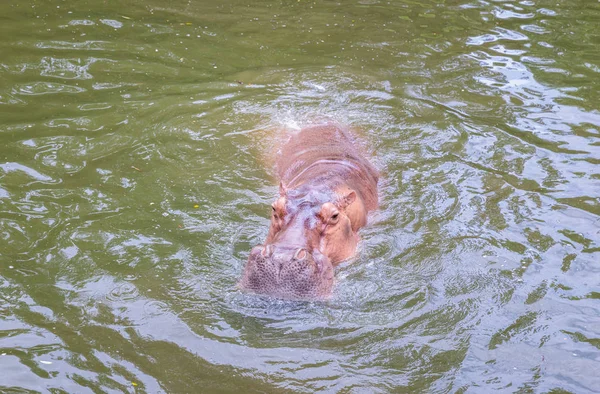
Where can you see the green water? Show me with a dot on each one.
(132, 188)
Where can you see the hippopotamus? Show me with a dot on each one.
(326, 189)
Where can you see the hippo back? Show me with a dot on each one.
(325, 154)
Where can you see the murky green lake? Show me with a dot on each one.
(133, 185)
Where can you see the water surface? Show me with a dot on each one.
(133, 185)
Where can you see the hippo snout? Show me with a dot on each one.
(287, 271)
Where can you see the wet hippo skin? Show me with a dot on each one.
(327, 187)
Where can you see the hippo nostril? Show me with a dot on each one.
(300, 254)
(267, 251)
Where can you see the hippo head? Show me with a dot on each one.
(310, 232)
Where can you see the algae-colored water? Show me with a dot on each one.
(132, 188)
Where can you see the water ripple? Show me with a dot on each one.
(129, 202)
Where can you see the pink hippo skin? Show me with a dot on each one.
(327, 188)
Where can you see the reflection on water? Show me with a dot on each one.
(133, 184)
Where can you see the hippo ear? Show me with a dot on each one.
(346, 200)
(282, 189)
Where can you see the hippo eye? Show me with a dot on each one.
(335, 216)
